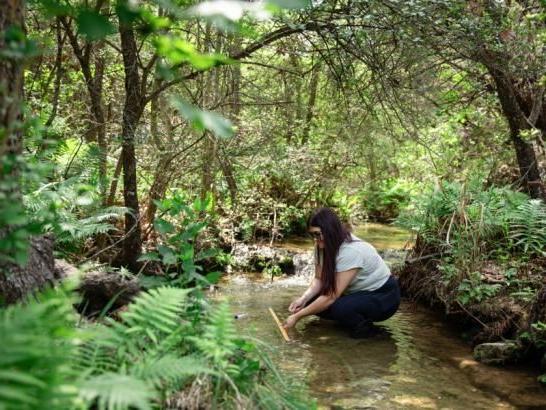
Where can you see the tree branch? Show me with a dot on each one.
(266, 40)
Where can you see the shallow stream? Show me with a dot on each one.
(419, 363)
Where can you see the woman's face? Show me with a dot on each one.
(316, 234)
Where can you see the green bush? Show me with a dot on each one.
(179, 226)
(385, 201)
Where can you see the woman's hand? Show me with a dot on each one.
(290, 322)
(297, 305)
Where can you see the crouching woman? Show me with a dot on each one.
(352, 285)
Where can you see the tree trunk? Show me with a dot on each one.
(209, 155)
(114, 182)
(227, 171)
(16, 282)
(94, 85)
(162, 176)
(98, 111)
(525, 154)
(235, 108)
(58, 67)
(210, 92)
(132, 111)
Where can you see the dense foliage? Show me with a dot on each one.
(168, 346)
(151, 136)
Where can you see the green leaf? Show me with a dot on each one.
(167, 255)
(149, 256)
(204, 120)
(126, 13)
(55, 8)
(163, 227)
(93, 25)
(178, 51)
(207, 253)
(213, 277)
(17, 46)
(291, 4)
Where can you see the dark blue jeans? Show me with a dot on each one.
(352, 311)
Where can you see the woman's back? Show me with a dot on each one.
(372, 272)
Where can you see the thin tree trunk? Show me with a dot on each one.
(17, 281)
(162, 176)
(235, 108)
(313, 86)
(114, 182)
(58, 67)
(94, 84)
(209, 98)
(163, 171)
(209, 155)
(98, 111)
(132, 111)
(227, 171)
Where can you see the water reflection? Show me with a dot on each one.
(405, 368)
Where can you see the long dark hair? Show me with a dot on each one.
(334, 233)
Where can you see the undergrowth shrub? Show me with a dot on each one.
(161, 343)
(71, 210)
(178, 226)
(472, 223)
(467, 225)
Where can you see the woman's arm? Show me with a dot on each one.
(310, 292)
(323, 302)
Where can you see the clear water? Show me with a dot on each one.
(416, 364)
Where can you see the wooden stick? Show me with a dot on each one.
(282, 329)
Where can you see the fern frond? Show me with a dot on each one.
(113, 391)
(156, 314)
(97, 354)
(528, 227)
(170, 369)
(218, 342)
(35, 351)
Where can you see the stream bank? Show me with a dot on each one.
(500, 310)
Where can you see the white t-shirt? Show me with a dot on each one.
(372, 272)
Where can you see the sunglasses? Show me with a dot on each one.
(315, 235)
